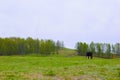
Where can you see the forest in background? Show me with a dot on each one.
(104, 50)
(21, 46)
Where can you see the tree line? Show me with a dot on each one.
(105, 50)
(20, 46)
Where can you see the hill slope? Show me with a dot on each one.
(67, 52)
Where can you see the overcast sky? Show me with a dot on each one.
(66, 20)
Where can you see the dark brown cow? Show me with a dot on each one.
(89, 55)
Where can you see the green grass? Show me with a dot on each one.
(58, 68)
(67, 52)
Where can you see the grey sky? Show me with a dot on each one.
(66, 20)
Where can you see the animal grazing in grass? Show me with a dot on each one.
(89, 55)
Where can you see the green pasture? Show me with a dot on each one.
(58, 68)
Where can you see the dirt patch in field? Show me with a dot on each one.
(39, 76)
(85, 77)
(32, 76)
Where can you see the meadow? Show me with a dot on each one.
(58, 68)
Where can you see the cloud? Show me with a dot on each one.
(68, 20)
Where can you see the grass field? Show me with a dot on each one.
(58, 68)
